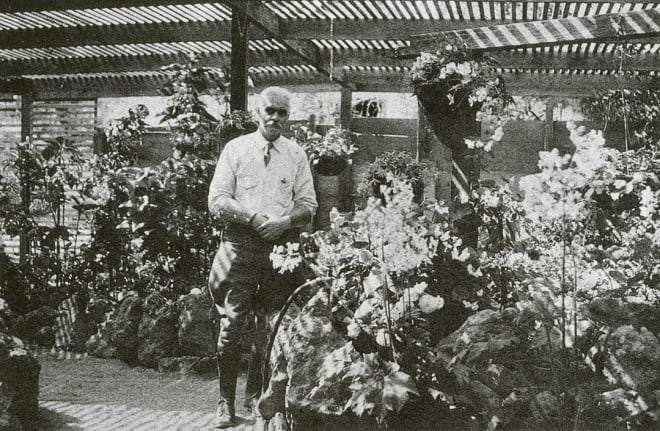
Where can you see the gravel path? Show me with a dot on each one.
(94, 394)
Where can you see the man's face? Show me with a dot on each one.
(273, 115)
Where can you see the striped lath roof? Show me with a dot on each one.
(93, 41)
(555, 31)
(320, 10)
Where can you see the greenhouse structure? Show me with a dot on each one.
(481, 248)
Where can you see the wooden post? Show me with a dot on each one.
(549, 135)
(239, 52)
(345, 107)
(26, 135)
(465, 171)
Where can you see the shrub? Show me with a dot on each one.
(397, 164)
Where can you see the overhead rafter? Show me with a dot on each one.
(268, 22)
(13, 6)
(523, 82)
(118, 33)
(301, 29)
(608, 27)
(577, 57)
(528, 82)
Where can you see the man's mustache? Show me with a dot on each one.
(273, 123)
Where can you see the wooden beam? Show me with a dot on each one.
(239, 56)
(549, 124)
(518, 83)
(532, 83)
(607, 27)
(507, 59)
(345, 109)
(13, 6)
(117, 34)
(26, 114)
(300, 29)
(384, 29)
(268, 22)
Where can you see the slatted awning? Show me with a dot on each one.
(89, 46)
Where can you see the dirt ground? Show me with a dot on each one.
(93, 381)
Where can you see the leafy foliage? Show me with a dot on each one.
(186, 115)
(41, 180)
(378, 261)
(398, 164)
(639, 110)
(557, 310)
(327, 153)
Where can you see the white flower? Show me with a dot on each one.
(429, 303)
(648, 203)
(464, 68)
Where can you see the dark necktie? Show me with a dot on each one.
(267, 153)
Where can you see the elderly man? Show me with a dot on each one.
(263, 189)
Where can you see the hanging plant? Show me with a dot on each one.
(457, 87)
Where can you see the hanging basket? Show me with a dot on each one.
(450, 122)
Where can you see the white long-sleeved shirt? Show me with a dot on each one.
(243, 185)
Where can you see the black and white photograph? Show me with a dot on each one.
(329, 215)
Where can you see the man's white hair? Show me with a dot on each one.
(275, 94)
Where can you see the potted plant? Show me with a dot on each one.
(329, 154)
(395, 164)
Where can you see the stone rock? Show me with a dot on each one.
(45, 336)
(122, 334)
(188, 364)
(98, 346)
(157, 333)
(635, 358)
(302, 344)
(19, 383)
(27, 326)
(5, 317)
(196, 326)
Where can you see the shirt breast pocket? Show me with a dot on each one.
(246, 185)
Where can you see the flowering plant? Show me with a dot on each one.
(379, 265)
(330, 153)
(397, 164)
(457, 83)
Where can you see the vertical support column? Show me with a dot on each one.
(423, 141)
(549, 135)
(26, 114)
(345, 106)
(26, 135)
(465, 171)
(239, 51)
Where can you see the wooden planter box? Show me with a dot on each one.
(332, 191)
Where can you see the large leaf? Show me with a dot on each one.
(397, 386)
